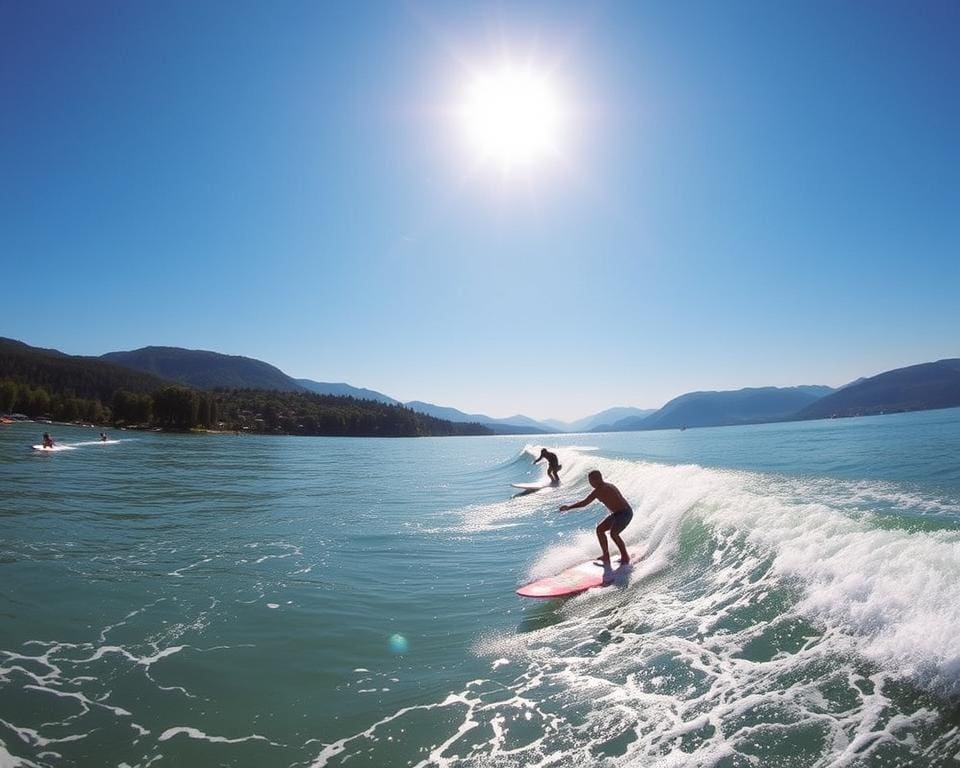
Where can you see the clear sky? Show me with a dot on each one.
(742, 193)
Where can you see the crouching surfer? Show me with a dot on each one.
(619, 518)
(554, 467)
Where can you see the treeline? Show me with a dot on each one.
(37, 402)
(169, 407)
(84, 378)
(306, 413)
(248, 410)
(45, 383)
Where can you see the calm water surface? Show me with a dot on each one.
(251, 601)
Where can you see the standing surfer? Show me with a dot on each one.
(554, 464)
(619, 518)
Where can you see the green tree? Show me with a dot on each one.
(8, 395)
(66, 408)
(175, 407)
(37, 402)
(122, 406)
(203, 410)
(93, 412)
(142, 409)
(130, 408)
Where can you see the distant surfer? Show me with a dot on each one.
(47, 440)
(554, 467)
(619, 518)
(103, 437)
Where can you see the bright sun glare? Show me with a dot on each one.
(513, 117)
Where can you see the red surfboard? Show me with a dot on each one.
(577, 579)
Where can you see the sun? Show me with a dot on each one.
(513, 116)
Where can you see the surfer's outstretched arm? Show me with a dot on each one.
(582, 503)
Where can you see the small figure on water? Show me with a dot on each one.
(554, 465)
(103, 437)
(619, 518)
(47, 440)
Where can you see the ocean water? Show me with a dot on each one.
(200, 600)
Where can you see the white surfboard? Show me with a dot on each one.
(54, 449)
(534, 486)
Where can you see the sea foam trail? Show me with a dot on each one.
(889, 588)
(761, 610)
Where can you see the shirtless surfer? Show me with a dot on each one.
(619, 518)
(47, 440)
(554, 468)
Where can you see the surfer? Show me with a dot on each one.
(103, 437)
(47, 440)
(619, 518)
(554, 468)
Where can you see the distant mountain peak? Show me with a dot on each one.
(205, 369)
(912, 388)
(514, 425)
(342, 389)
(749, 405)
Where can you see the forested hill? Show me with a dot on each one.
(344, 390)
(85, 377)
(47, 384)
(307, 413)
(914, 388)
(742, 406)
(205, 370)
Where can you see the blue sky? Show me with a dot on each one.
(750, 193)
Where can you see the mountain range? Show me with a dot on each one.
(210, 370)
(916, 387)
(205, 370)
(601, 422)
(53, 369)
(344, 390)
(715, 409)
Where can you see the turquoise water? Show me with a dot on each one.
(262, 601)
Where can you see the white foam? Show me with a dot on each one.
(679, 655)
(179, 571)
(890, 589)
(8, 760)
(85, 702)
(196, 733)
(335, 748)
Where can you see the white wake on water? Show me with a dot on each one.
(889, 589)
(767, 621)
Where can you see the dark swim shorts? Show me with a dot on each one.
(620, 520)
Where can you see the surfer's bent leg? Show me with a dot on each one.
(602, 535)
(619, 521)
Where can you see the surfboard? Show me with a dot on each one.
(55, 449)
(577, 579)
(534, 486)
